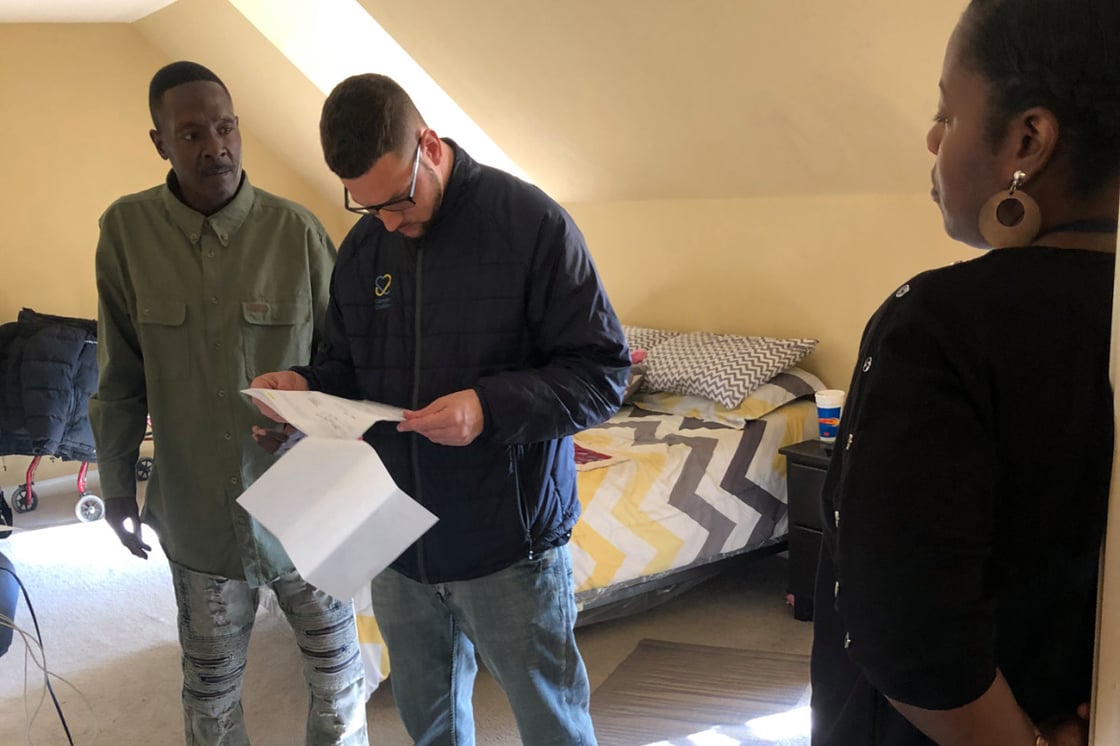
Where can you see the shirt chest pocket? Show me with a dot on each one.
(163, 339)
(276, 335)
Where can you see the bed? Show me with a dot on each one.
(673, 486)
(677, 496)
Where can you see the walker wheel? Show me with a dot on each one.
(21, 502)
(144, 469)
(89, 508)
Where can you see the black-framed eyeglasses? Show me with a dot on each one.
(399, 204)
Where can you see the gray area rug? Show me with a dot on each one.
(676, 693)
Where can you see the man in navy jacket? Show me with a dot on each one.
(468, 297)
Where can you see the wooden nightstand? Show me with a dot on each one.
(806, 465)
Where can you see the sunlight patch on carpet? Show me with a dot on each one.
(676, 694)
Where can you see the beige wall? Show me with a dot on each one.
(793, 267)
(74, 137)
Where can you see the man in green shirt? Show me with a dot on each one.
(205, 282)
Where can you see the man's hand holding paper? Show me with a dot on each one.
(359, 520)
(452, 420)
(280, 380)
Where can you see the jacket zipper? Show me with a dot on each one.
(414, 443)
(522, 509)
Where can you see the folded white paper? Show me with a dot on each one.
(330, 500)
(323, 415)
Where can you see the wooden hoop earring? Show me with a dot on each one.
(1010, 218)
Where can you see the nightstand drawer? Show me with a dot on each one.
(806, 466)
(804, 554)
(805, 485)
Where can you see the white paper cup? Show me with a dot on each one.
(830, 403)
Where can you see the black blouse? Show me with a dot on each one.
(966, 498)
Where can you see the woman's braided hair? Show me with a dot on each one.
(1063, 55)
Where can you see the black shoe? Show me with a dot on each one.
(5, 517)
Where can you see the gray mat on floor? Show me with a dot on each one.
(666, 692)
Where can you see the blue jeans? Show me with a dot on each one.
(215, 618)
(520, 620)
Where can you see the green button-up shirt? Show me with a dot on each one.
(190, 309)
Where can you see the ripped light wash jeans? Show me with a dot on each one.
(215, 618)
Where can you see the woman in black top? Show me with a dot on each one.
(965, 501)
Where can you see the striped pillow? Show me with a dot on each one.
(787, 386)
(722, 367)
(644, 338)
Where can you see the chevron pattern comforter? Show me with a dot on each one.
(679, 492)
(672, 492)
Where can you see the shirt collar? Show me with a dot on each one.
(225, 221)
(464, 172)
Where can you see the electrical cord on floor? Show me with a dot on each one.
(31, 645)
(42, 661)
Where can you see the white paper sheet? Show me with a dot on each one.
(325, 416)
(329, 499)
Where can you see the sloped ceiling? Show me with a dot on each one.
(602, 100)
(662, 99)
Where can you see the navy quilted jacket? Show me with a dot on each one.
(48, 369)
(500, 296)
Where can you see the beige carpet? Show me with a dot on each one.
(670, 693)
(108, 623)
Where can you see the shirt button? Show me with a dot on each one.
(221, 394)
(210, 254)
(214, 301)
(902, 291)
(194, 238)
(147, 312)
(867, 365)
(848, 446)
(217, 345)
(847, 640)
(233, 480)
(228, 436)
(836, 589)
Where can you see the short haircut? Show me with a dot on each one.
(1062, 55)
(365, 117)
(176, 74)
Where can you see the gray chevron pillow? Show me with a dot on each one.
(722, 367)
(645, 338)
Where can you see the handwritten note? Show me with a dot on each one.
(322, 415)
